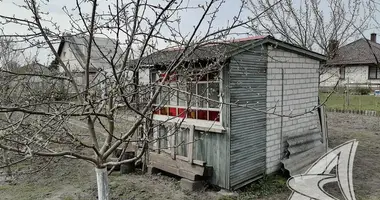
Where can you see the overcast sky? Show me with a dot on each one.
(188, 18)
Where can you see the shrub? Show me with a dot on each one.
(361, 91)
(60, 95)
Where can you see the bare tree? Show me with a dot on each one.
(39, 112)
(313, 24)
(316, 25)
(9, 56)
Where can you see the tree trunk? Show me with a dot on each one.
(102, 183)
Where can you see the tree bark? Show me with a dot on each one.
(102, 183)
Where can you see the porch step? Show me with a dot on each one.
(178, 167)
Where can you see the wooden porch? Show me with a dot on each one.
(173, 152)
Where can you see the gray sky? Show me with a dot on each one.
(188, 18)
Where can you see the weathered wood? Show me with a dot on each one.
(207, 146)
(176, 171)
(195, 162)
(178, 164)
(190, 145)
(173, 139)
(182, 158)
(179, 142)
(102, 183)
(158, 140)
(199, 162)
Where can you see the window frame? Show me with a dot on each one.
(194, 108)
(377, 70)
(342, 69)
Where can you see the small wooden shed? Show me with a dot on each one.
(259, 81)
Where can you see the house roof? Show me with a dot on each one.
(361, 51)
(220, 50)
(78, 44)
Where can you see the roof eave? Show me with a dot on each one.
(294, 48)
(349, 63)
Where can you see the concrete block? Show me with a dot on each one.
(270, 154)
(273, 168)
(275, 158)
(189, 185)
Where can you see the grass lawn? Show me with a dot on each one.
(356, 102)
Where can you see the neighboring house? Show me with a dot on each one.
(229, 145)
(355, 64)
(32, 78)
(73, 52)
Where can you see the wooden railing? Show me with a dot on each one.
(176, 142)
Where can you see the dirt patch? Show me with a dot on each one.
(62, 178)
(152, 187)
(366, 129)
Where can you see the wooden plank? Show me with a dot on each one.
(166, 160)
(159, 139)
(180, 143)
(173, 139)
(152, 145)
(182, 158)
(199, 162)
(190, 145)
(195, 162)
(176, 171)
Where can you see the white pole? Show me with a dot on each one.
(102, 183)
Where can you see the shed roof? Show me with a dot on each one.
(221, 50)
(361, 51)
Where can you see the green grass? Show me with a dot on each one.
(356, 102)
(269, 187)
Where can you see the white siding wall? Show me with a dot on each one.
(301, 78)
(69, 59)
(354, 74)
(144, 76)
(329, 77)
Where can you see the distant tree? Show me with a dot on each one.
(312, 24)
(54, 65)
(9, 55)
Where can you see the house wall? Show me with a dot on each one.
(353, 75)
(247, 76)
(69, 59)
(300, 88)
(329, 77)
